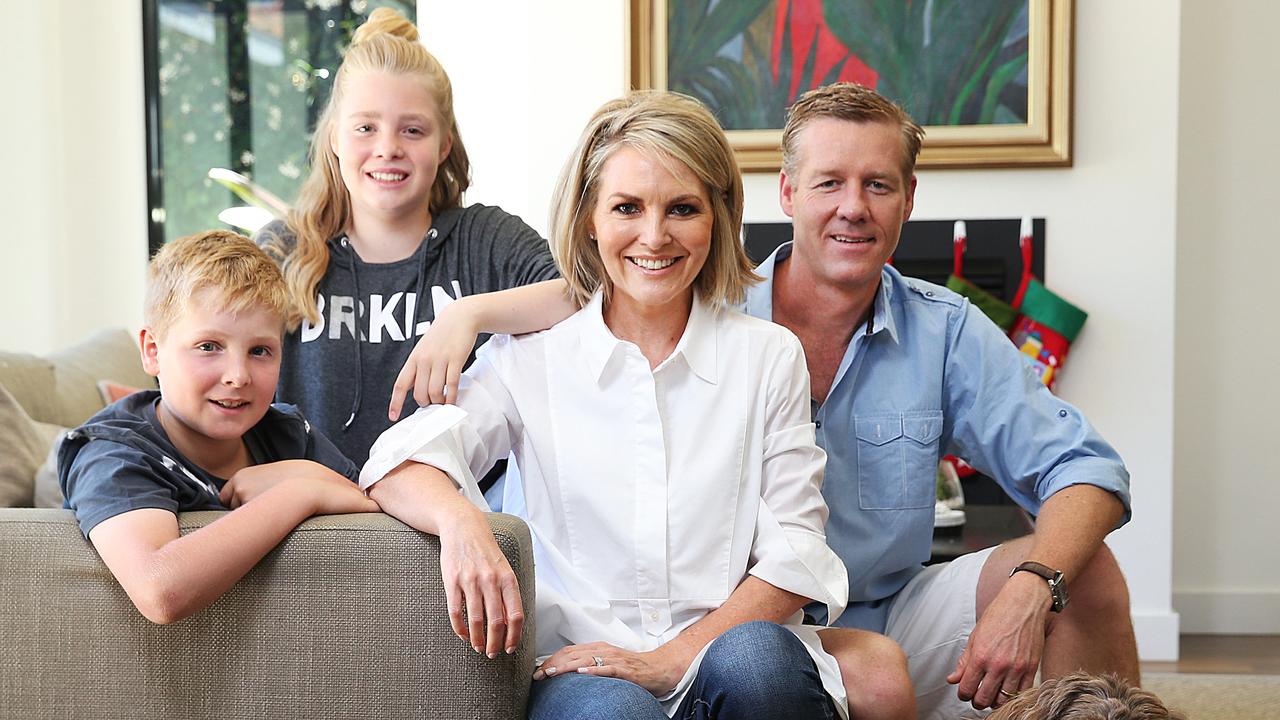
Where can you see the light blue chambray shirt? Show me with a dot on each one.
(930, 375)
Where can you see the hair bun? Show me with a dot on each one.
(385, 21)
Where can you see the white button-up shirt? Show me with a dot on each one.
(651, 494)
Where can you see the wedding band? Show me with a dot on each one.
(599, 661)
(1006, 693)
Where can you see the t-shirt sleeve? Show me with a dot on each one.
(322, 450)
(512, 251)
(107, 478)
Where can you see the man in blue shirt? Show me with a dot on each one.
(902, 372)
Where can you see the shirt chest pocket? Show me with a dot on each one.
(897, 459)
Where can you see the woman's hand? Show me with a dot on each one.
(656, 671)
(434, 366)
(479, 580)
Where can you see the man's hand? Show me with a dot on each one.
(655, 671)
(1006, 643)
(479, 580)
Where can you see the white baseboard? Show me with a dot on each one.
(1157, 635)
(1229, 612)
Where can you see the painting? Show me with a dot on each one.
(990, 80)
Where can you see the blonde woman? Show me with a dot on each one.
(379, 241)
(668, 466)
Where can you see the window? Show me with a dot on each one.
(236, 85)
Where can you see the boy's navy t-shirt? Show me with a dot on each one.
(121, 460)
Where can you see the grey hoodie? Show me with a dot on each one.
(344, 386)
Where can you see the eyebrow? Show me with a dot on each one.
(680, 198)
(418, 117)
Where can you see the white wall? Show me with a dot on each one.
(1111, 218)
(73, 193)
(1226, 573)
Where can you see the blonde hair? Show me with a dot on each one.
(856, 103)
(1081, 696)
(386, 42)
(661, 125)
(219, 260)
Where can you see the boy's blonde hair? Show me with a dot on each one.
(228, 263)
(664, 126)
(386, 42)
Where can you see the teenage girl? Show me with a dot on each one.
(379, 242)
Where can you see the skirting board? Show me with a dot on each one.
(1157, 635)
(1229, 612)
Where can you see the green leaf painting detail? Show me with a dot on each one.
(947, 62)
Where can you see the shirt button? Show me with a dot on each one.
(653, 616)
(1062, 413)
(928, 293)
(818, 423)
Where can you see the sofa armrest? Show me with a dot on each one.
(345, 619)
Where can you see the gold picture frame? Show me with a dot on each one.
(1043, 140)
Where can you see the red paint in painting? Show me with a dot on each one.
(806, 19)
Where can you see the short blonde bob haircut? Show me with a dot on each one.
(386, 42)
(856, 103)
(664, 126)
(241, 273)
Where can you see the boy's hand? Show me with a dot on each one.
(434, 366)
(330, 492)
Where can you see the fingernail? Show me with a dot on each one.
(478, 649)
(551, 671)
(511, 650)
(493, 655)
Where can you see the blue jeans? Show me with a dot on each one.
(756, 670)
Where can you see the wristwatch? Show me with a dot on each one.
(1057, 584)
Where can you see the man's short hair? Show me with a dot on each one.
(1081, 696)
(856, 103)
(226, 262)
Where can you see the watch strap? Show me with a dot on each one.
(1057, 584)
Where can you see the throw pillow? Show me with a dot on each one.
(23, 447)
(111, 391)
(48, 493)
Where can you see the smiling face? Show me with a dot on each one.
(652, 223)
(847, 199)
(217, 371)
(389, 141)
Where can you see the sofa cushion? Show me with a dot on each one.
(24, 447)
(47, 491)
(106, 355)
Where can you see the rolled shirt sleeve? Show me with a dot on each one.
(790, 549)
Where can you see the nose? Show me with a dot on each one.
(388, 145)
(235, 373)
(654, 235)
(853, 205)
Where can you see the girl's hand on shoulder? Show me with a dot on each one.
(655, 671)
(434, 366)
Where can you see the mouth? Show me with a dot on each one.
(653, 263)
(387, 176)
(230, 404)
(852, 240)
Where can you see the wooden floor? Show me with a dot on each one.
(1226, 654)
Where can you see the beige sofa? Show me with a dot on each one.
(345, 619)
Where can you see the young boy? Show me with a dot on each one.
(216, 311)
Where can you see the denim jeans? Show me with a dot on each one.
(757, 670)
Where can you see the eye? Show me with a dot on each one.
(207, 347)
(684, 209)
(363, 129)
(878, 186)
(415, 131)
(261, 351)
(827, 184)
(626, 208)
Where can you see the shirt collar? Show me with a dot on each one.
(760, 296)
(698, 345)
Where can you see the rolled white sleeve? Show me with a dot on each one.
(461, 440)
(790, 549)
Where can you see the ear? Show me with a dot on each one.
(149, 349)
(446, 147)
(911, 199)
(786, 194)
